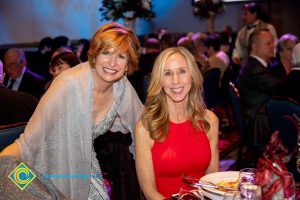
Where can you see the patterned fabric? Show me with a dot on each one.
(40, 188)
(97, 186)
(269, 168)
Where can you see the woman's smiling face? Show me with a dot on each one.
(177, 79)
(111, 65)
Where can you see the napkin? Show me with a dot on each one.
(270, 168)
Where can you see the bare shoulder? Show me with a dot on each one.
(211, 117)
(213, 121)
(141, 134)
(139, 127)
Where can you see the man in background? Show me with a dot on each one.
(19, 77)
(14, 106)
(254, 19)
(255, 84)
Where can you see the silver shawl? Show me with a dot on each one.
(58, 138)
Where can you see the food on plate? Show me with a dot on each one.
(228, 184)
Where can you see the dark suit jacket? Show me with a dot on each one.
(277, 68)
(289, 87)
(15, 106)
(255, 84)
(38, 63)
(31, 83)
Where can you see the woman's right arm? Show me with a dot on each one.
(39, 124)
(144, 164)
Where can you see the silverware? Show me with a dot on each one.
(208, 184)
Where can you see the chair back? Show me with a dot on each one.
(279, 107)
(235, 101)
(9, 133)
(283, 116)
(211, 87)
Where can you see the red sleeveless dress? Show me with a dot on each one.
(184, 152)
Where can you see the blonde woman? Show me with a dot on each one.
(176, 134)
(82, 103)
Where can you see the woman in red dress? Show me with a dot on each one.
(176, 134)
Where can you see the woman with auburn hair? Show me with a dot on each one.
(176, 134)
(82, 103)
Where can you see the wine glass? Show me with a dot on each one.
(246, 175)
(188, 191)
(288, 185)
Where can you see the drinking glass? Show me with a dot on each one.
(298, 158)
(246, 175)
(288, 185)
(232, 195)
(188, 191)
(250, 191)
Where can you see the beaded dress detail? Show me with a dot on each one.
(97, 185)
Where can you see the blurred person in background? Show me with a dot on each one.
(216, 57)
(289, 86)
(61, 62)
(14, 106)
(61, 41)
(79, 46)
(255, 84)
(281, 65)
(19, 77)
(254, 19)
(38, 61)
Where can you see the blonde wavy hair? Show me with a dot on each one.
(114, 35)
(155, 117)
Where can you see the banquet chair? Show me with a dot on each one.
(281, 106)
(235, 101)
(211, 88)
(284, 116)
(280, 109)
(9, 133)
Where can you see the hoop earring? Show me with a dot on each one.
(125, 74)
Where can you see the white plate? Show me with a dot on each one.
(219, 176)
